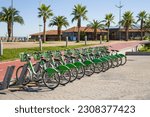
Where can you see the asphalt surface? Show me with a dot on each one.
(130, 81)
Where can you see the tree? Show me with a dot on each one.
(95, 24)
(6, 16)
(108, 20)
(45, 12)
(142, 16)
(127, 22)
(59, 21)
(147, 24)
(79, 12)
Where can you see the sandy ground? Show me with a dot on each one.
(130, 81)
(52, 43)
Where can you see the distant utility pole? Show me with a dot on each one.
(40, 22)
(12, 2)
(39, 36)
(120, 8)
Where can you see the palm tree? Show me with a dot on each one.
(6, 16)
(95, 24)
(127, 22)
(79, 12)
(147, 24)
(108, 20)
(142, 16)
(59, 21)
(45, 12)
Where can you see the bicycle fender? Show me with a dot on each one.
(97, 60)
(88, 62)
(79, 64)
(70, 65)
(63, 68)
(51, 71)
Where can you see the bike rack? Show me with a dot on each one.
(6, 81)
(21, 77)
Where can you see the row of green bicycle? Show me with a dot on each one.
(54, 68)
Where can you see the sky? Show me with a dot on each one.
(97, 9)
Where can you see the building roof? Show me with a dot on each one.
(84, 29)
(131, 30)
(49, 32)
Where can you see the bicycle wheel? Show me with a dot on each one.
(114, 62)
(123, 60)
(119, 61)
(27, 76)
(81, 72)
(51, 81)
(65, 77)
(89, 69)
(105, 66)
(38, 76)
(98, 67)
(74, 74)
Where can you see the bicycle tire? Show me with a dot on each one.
(52, 81)
(89, 69)
(114, 62)
(74, 74)
(123, 60)
(98, 67)
(65, 77)
(105, 66)
(27, 78)
(81, 72)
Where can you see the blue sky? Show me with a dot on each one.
(97, 9)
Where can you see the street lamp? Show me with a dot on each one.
(12, 19)
(120, 8)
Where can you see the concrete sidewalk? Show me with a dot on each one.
(130, 81)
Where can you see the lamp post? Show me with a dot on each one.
(120, 8)
(12, 18)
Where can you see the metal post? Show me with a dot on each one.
(100, 39)
(1, 48)
(66, 41)
(12, 20)
(40, 43)
(85, 40)
(119, 7)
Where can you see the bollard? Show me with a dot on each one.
(100, 39)
(66, 41)
(40, 44)
(85, 40)
(1, 48)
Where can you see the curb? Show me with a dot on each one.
(137, 53)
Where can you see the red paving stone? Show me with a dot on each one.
(17, 63)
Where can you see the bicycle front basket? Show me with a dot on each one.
(23, 57)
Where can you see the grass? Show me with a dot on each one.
(145, 48)
(12, 54)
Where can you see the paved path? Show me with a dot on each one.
(116, 45)
(130, 81)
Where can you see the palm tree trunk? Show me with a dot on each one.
(95, 34)
(127, 34)
(44, 32)
(108, 35)
(9, 27)
(142, 30)
(79, 25)
(59, 33)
